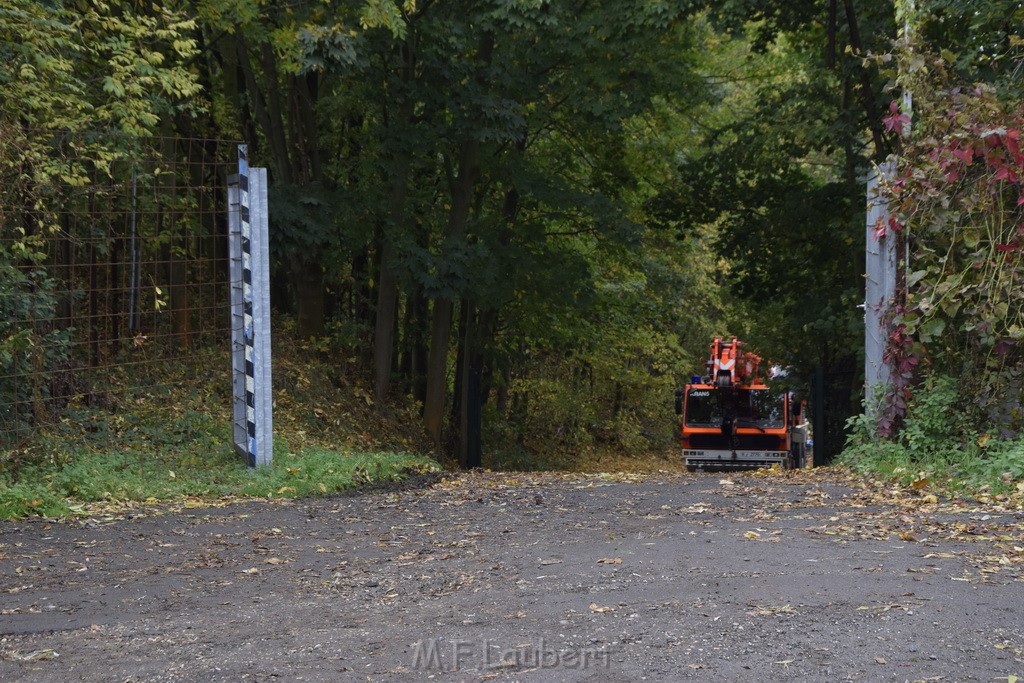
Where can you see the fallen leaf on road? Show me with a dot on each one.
(594, 607)
(251, 570)
(768, 610)
(752, 534)
(610, 560)
(34, 656)
(880, 660)
(547, 562)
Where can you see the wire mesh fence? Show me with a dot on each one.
(114, 274)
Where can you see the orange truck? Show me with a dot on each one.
(730, 418)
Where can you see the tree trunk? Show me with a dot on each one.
(457, 415)
(440, 328)
(468, 390)
(462, 186)
(416, 344)
(359, 292)
(384, 331)
(462, 392)
(874, 116)
(309, 290)
(94, 293)
(437, 366)
(501, 396)
(387, 293)
(830, 48)
(115, 310)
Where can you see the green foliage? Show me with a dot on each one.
(67, 71)
(29, 343)
(93, 64)
(939, 442)
(982, 41)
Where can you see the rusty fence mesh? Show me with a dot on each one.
(114, 276)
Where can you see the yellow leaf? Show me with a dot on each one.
(930, 498)
(752, 534)
(171, 474)
(610, 560)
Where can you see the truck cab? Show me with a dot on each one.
(732, 418)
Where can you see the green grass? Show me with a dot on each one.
(185, 455)
(996, 468)
(175, 443)
(139, 476)
(938, 444)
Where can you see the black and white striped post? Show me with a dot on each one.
(252, 414)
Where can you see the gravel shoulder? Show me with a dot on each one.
(526, 577)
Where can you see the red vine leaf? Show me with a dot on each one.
(895, 120)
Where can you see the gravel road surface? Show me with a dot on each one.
(526, 577)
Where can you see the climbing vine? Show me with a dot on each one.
(958, 202)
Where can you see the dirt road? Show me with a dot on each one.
(510, 577)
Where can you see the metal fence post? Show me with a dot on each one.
(248, 251)
(880, 282)
(260, 228)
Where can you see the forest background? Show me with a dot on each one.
(569, 200)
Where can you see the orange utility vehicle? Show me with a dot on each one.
(731, 418)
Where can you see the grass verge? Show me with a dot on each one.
(60, 491)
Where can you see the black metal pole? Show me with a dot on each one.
(473, 426)
(818, 399)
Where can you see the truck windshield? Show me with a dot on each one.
(764, 410)
(703, 408)
(757, 408)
